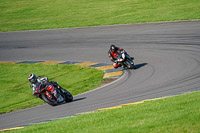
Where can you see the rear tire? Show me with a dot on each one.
(45, 98)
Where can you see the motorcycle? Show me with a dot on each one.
(126, 63)
(53, 95)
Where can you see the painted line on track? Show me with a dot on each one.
(86, 64)
(120, 106)
(51, 62)
(113, 74)
(105, 67)
(9, 129)
(8, 62)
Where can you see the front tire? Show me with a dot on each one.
(130, 64)
(68, 97)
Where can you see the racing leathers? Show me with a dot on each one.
(114, 56)
(118, 56)
(42, 82)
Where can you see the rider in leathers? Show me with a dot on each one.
(42, 82)
(113, 54)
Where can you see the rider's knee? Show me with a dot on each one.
(115, 65)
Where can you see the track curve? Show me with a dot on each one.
(167, 57)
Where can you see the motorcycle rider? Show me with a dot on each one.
(42, 82)
(113, 54)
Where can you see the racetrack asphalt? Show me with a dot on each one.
(167, 58)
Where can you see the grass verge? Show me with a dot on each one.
(15, 91)
(178, 114)
(46, 14)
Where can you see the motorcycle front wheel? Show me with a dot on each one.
(129, 65)
(68, 96)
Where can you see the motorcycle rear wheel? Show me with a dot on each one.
(52, 101)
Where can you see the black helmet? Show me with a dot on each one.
(32, 78)
(113, 48)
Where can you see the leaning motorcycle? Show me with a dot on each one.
(126, 63)
(53, 95)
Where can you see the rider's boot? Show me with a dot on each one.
(116, 65)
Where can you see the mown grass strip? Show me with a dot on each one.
(173, 114)
(46, 14)
(15, 92)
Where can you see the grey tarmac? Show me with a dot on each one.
(167, 58)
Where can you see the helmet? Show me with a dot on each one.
(32, 78)
(113, 48)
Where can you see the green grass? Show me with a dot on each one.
(44, 14)
(179, 114)
(15, 91)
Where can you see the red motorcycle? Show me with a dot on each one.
(53, 95)
(127, 62)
